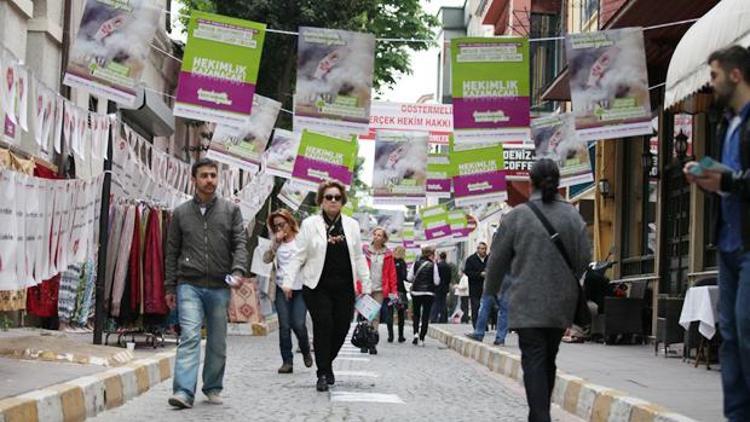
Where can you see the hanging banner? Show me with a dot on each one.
(555, 137)
(111, 48)
(293, 194)
(491, 89)
(435, 222)
(478, 175)
(334, 81)
(322, 157)
(518, 160)
(408, 235)
(436, 119)
(459, 224)
(220, 69)
(243, 147)
(438, 176)
(609, 83)
(482, 212)
(22, 96)
(399, 171)
(281, 153)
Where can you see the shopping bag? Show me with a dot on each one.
(244, 304)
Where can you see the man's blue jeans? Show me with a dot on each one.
(734, 325)
(484, 314)
(292, 315)
(194, 304)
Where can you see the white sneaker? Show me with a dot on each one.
(214, 398)
(421, 343)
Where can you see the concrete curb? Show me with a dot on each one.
(575, 395)
(88, 396)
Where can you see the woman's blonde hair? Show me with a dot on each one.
(385, 233)
(287, 216)
(428, 251)
(399, 252)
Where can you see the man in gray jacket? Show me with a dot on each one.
(205, 255)
(542, 293)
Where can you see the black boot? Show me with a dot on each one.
(390, 333)
(373, 350)
(330, 379)
(322, 384)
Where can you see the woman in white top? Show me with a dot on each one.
(329, 260)
(283, 230)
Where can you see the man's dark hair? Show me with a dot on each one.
(545, 176)
(443, 256)
(734, 57)
(482, 243)
(203, 162)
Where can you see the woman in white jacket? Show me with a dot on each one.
(329, 260)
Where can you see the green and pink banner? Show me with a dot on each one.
(435, 222)
(438, 175)
(219, 69)
(323, 157)
(491, 89)
(478, 175)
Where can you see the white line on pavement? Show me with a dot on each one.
(352, 396)
(363, 374)
(354, 359)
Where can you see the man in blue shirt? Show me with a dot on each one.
(730, 80)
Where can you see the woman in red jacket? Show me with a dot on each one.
(382, 272)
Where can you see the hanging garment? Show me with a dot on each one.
(153, 267)
(86, 298)
(66, 302)
(42, 299)
(117, 217)
(121, 267)
(134, 269)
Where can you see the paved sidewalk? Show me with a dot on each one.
(669, 382)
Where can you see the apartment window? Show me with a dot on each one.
(588, 9)
(546, 56)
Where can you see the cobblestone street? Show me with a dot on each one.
(403, 382)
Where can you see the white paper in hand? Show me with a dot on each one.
(367, 307)
(259, 267)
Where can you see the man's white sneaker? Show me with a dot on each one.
(214, 398)
(421, 343)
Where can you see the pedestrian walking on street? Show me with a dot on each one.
(401, 302)
(439, 313)
(490, 302)
(730, 191)
(474, 269)
(382, 275)
(542, 287)
(205, 254)
(291, 312)
(330, 260)
(462, 298)
(426, 281)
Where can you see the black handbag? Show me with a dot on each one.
(582, 317)
(364, 335)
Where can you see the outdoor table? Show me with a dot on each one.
(701, 305)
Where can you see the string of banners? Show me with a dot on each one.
(334, 109)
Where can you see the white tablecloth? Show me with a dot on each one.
(702, 305)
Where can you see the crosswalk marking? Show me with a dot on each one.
(363, 374)
(355, 396)
(354, 359)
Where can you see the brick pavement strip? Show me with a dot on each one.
(586, 400)
(432, 382)
(90, 395)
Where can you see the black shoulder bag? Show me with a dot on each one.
(582, 317)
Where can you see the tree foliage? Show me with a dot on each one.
(384, 18)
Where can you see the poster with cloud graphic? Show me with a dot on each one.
(293, 194)
(555, 137)
(334, 81)
(393, 223)
(111, 48)
(323, 157)
(491, 89)
(244, 146)
(478, 175)
(282, 152)
(399, 170)
(220, 69)
(609, 83)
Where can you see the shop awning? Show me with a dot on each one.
(728, 23)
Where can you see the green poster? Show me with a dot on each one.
(435, 222)
(323, 157)
(219, 69)
(478, 175)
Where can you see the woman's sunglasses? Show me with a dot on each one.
(333, 198)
